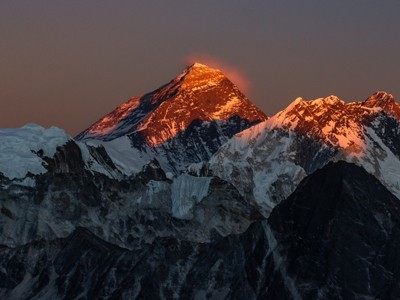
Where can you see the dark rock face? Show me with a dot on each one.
(82, 265)
(309, 152)
(101, 156)
(388, 129)
(339, 235)
(200, 141)
(67, 159)
(336, 237)
(152, 171)
(80, 235)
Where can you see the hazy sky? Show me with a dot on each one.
(67, 63)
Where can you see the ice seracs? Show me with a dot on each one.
(186, 192)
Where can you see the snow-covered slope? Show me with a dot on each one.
(267, 161)
(182, 122)
(31, 149)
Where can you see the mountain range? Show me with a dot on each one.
(192, 192)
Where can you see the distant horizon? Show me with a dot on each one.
(269, 115)
(220, 67)
(68, 64)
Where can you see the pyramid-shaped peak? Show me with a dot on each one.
(197, 65)
(198, 75)
(197, 69)
(198, 93)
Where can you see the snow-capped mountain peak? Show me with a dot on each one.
(271, 157)
(196, 113)
(198, 72)
(380, 98)
(33, 150)
(198, 93)
(385, 101)
(331, 119)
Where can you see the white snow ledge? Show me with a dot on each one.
(17, 144)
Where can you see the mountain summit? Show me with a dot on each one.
(271, 158)
(385, 101)
(196, 112)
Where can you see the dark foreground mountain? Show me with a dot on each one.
(336, 237)
(82, 235)
(82, 266)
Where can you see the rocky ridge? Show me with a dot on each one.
(268, 160)
(182, 122)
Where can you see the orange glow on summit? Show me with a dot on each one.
(233, 73)
(200, 93)
(339, 124)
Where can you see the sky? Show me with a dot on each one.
(67, 63)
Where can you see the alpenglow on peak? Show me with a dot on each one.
(201, 108)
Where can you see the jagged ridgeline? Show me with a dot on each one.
(183, 122)
(191, 192)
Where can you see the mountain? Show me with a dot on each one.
(386, 102)
(268, 160)
(150, 203)
(80, 234)
(124, 212)
(33, 150)
(182, 122)
(337, 237)
(84, 266)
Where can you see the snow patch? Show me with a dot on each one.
(27, 182)
(18, 147)
(126, 158)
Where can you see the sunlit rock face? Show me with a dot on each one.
(385, 101)
(267, 161)
(183, 122)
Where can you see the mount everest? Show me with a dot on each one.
(191, 191)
